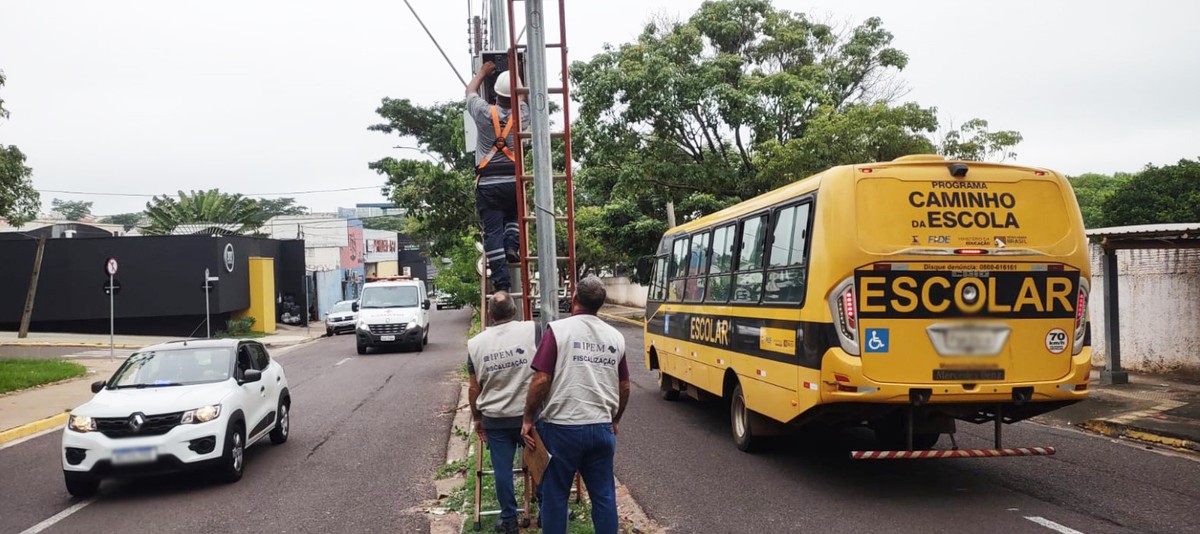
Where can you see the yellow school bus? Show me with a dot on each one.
(903, 295)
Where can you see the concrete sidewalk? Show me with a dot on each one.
(284, 335)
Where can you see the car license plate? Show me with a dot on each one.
(138, 455)
(968, 339)
(387, 338)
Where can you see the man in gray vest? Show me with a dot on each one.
(498, 363)
(581, 386)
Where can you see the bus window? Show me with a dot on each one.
(749, 278)
(678, 269)
(785, 272)
(721, 265)
(697, 267)
(658, 279)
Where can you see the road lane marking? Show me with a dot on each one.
(31, 436)
(1052, 525)
(59, 516)
(344, 360)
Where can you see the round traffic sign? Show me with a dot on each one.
(110, 266)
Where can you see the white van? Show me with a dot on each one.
(392, 312)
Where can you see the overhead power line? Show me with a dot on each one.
(148, 195)
(435, 43)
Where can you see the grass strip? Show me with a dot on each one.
(22, 374)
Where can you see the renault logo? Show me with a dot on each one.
(136, 421)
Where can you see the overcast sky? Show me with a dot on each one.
(148, 97)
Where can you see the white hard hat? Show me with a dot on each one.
(503, 85)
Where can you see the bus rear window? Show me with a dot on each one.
(1001, 211)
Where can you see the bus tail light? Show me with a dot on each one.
(845, 311)
(1081, 316)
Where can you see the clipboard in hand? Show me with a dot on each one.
(537, 459)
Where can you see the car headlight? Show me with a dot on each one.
(201, 415)
(80, 423)
(362, 325)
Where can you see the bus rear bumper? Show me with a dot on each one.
(842, 380)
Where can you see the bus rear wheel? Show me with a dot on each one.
(740, 419)
(666, 386)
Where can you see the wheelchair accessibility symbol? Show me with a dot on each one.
(876, 340)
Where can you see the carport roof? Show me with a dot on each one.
(1175, 235)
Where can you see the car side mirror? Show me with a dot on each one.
(251, 375)
(425, 304)
(98, 386)
(354, 307)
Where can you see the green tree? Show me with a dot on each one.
(1157, 195)
(19, 202)
(739, 99)
(438, 195)
(459, 279)
(390, 223)
(128, 220)
(71, 210)
(1092, 190)
(273, 207)
(235, 213)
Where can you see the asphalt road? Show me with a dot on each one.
(367, 434)
(680, 464)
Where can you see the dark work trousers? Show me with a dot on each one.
(497, 207)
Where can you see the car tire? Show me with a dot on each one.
(329, 332)
(740, 421)
(425, 337)
(233, 460)
(362, 349)
(81, 485)
(420, 346)
(283, 423)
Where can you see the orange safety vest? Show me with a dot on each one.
(501, 143)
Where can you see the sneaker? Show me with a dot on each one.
(507, 527)
(512, 256)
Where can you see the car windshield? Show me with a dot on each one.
(390, 297)
(180, 367)
(343, 306)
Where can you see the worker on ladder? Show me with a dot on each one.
(495, 172)
(498, 365)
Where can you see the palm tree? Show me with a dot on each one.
(202, 212)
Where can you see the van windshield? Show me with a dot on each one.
(390, 297)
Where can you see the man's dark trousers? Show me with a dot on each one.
(588, 449)
(497, 207)
(503, 442)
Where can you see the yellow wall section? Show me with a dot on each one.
(387, 268)
(262, 295)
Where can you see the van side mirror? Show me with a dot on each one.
(98, 386)
(354, 306)
(425, 304)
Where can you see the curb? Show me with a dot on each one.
(292, 343)
(620, 319)
(30, 429)
(1120, 430)
(68, 345)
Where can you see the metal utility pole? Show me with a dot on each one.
(497, 19)
(543, 179)
(27, 315)
(208, 280)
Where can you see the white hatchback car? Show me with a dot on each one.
(177, 406)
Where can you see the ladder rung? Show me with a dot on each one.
(561, 258)
(553, 135)
(512, 294)
(559, 218)
(552, 90)
(528, 178)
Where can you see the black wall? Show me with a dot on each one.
(161, 281)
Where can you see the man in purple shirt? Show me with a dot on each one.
(581, 387)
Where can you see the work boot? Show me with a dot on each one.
(507, 527)
(512, 256)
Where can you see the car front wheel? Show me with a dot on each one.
(233, 462)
